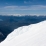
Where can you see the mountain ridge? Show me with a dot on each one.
(34, 36)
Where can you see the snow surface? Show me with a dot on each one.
(31, 35)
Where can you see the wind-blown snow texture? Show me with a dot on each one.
(32, 35)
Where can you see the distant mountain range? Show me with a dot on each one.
(9, 23)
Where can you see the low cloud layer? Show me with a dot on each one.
(33, 7)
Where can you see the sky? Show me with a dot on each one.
(22, 7)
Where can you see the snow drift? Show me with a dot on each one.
(32, 35)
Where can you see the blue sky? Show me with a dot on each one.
(22, 6)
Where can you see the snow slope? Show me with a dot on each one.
(32, 35)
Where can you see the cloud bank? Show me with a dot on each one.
(33, 7)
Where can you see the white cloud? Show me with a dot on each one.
(28, 2)
(11, 10)
(25, 2)
(6, 3)
(33, 7)
(12, 7)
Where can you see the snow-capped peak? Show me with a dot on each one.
(32, 35)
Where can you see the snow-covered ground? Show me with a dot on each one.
(31, 35)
